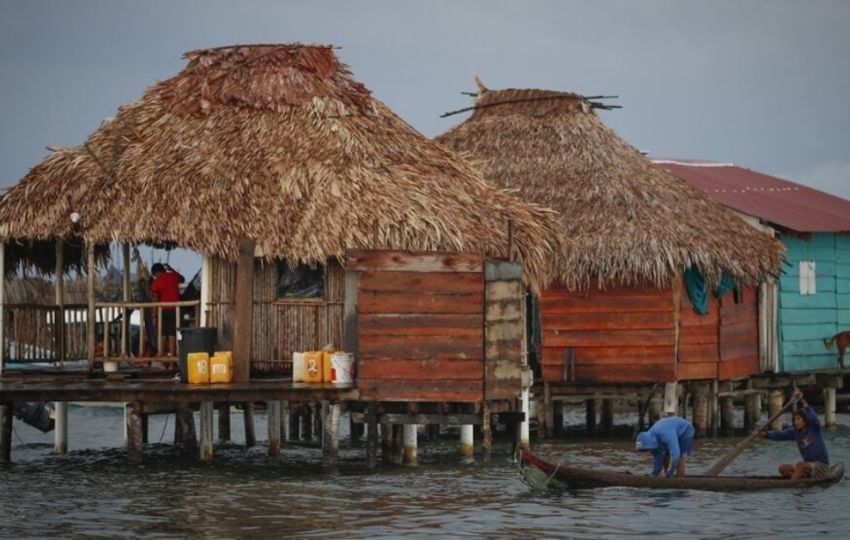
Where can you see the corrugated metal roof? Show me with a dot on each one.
(777, 201)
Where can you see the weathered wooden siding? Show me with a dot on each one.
(504, 330)
(806, 320)
(618, 335)
(699, 337)
(420, 325)
(280, 326)
(739, 335)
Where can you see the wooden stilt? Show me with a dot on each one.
(330, 431)
(188, 437)
(371, 437)
(60, 433)
(607, 416)
(524, 430)
(777, 399)
(671, 398)
(250, 430)
(829, 407)
(558, 418)
(6, 410)
(727, 415)
(548, 420)
(355, 429)
(386, 443)
(397, 443)
(145, 429)
(701, 411)
(224, 422)
(752, 411)
(134, 432)
(712, 409)
(206, 420)
(590, 416)
(655, 408)
(284, 421)
(316, 415)
(295, 418)
(486, 432)
(467, 440)
(410, 436)
(306, 428)
(273, 416)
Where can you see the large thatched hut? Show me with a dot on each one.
(275, 155)
(621, 312)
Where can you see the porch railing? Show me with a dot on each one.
(32, 335)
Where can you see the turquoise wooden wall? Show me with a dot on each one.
(806, 320)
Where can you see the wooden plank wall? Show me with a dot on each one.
(806, 320)
(281, 327)
(420, 325)
(699, 340)
(504, 332)
(623, 334)
(739, 335)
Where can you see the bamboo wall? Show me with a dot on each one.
(280, 326)
(420, 325)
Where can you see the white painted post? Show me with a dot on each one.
(206, 289)
(524, 431)
(410, 442)
(206, 450)
(467, 444)
(60, 429)
(671, 399)
(829, 407)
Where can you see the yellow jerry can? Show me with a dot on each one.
(198, 364)
(313, 369)
(326, 365)
(221, 367)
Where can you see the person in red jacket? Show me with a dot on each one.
(166, 288)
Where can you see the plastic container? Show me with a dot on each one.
(313, 369)
(342, 368)
(326, 364)
(221, 367)
(199, 367)
(191, 340)
(299, 367)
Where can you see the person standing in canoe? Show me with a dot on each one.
(808, 433)
(669, 439)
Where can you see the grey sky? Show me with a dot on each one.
(762, 84)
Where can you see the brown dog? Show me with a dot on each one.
(843, 340)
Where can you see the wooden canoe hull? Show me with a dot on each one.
(540, 473)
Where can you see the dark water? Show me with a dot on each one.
(92, 492)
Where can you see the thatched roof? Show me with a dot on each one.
(277, 143)
(630, 222)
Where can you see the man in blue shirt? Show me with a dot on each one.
(808, 433)
(671, 438)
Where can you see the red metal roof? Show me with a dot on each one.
(774, 200)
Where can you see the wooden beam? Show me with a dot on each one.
(206, 417)
(420, 418)
(244, 312)
(90, 316)
(134, 432)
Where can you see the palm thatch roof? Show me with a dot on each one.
(279, 144)
(629, 221)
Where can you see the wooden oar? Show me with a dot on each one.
(728, 458)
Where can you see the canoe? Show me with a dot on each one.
(539, 473)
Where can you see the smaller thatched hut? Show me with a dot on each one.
(277, 149)
(621, 312)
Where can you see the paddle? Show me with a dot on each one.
(728, 458)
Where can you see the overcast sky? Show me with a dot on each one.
(762, 84)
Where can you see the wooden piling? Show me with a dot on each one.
(655, 408)
(60, 426)
(829, 407)
(273, 421)
(701, 411)
(777, 399)
(386, 443)
(752, 411)
(134, 432)
(467, 440)
(316, 416)
(188, 438)
(224, 422)
(558, 418)
(250, 429)
(486, 432)
(410, 436)
(6, 410)
(727, 415)
(590, 416)
(330, 433)
(371, 437)
(524, 430)
(548, 412)
(206, 420)
(397, 442)
(284, 421)
(712, 409)
(607, 416)
(671, 398)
